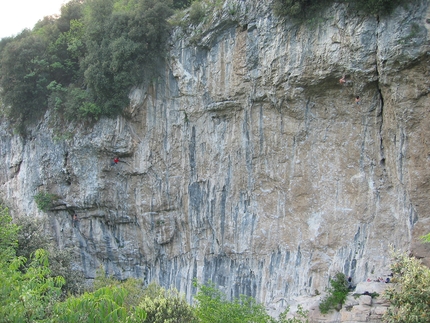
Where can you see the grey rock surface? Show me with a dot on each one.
(246, 162)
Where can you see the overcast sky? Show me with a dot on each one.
(15, 15)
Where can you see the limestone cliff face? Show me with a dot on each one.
(246, 162)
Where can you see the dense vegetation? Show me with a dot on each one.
(410, 296)
(84, 63)
(336, 294)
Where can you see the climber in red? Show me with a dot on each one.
(116, 160)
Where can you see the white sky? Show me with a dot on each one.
(16, 15)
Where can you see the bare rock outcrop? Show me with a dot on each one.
(246, 162)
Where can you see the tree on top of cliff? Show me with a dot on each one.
(106, 304)
(84, 63)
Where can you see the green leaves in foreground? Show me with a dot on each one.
(106, 305)
(410, 292)
(8, 235)
(28, 296)
(27, 289)
(213, 307)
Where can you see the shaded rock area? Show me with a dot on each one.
(247, 162)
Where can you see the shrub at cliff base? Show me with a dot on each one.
(107, 305)
(45, 201)
(410, 294)
(337, 293)
(28, 291)
(163, 306)
(213, 307)
(32, 236)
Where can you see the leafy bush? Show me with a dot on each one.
(45, 201)
(8, 235)
(159, 304)
(103, 305)
(337, 293)
(213, 306)
(165, 306)
(123, 47)
(181, 4)
(410, 293)
(292, 8)
(197, 13)
(24, 77)
(300, 317)
(84, 63)
(425, 238)
(28, 294)
(31, 236)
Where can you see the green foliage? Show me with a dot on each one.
(410, 294)
(135, 288)
(197, 12)
(24, 77)
(84, 63)
(165, 306)
(213, 307)
(300, 317)
(425, 238)
(8, 235)
(123, 47)
(181, 4)
(160, 305)
(71, 12)
(32, 61)
(28, 294)
(45, 201)
(107, 304)
(337, 293)
(31, 236)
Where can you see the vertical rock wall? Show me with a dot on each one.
(246, 162)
